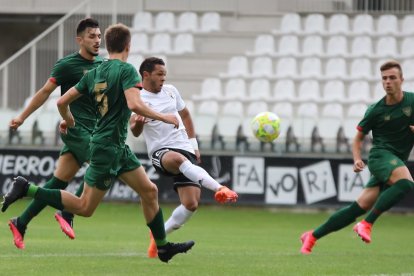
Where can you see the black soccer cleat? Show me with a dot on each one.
(19, 189)
(166, 252)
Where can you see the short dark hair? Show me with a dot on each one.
(148, 65)
(117, 37)
(391, 64)
(86, 23)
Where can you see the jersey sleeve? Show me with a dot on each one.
(58, 73)
(82, 85)
(129, 77)
(365, 125)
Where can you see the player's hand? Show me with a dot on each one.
(412, 128)
(15, 123)
(140, 120)
(359, 165)
(171, 119)
(64, 125)
(198, 156)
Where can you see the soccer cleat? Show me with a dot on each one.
(152, 248)
(65, 225)
(224, 195)
(308, 242)
(169, 250)
(19, 189)
(18, 234)
(363, 229)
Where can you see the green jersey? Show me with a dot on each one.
(390, 126)
(107, 84)
(66, 73)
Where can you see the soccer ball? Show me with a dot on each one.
(266, 126)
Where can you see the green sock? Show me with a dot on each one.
(51, 197)
(341, 218)
(157, 229)
(389, 198)
(36, 206)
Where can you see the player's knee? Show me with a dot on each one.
(191, 205)
(151, 193)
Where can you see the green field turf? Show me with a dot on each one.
(230, 240)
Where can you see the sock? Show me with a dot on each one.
(339, 220)
(69, 216)
(157, 229)
(199, 175)
(51, 197)
(178, 217)
(389, 198)
(36, 206)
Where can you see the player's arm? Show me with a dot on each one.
(136, 105)
(37, 101)
(189, 126)
(136, 123)
(356, 151)
(64, 110)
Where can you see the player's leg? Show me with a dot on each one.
(175, 162)
(340, 219)
(399, 185)
(66, 169)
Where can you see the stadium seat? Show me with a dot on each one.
(386, 47)
(263, 45)
(305, 122)
(361, 69)
(311, 68)
(359, 92)
(47, 123)
(135, 60)
(407, 25)
(184, 43)
(164, 22)
(262, 67)
(210, 22)
(379, 92)
(363, 24)
(288, 46)
(309, 91)
(387, 24)
(229, 123)
(361, 46)
(210, 89)
(161, 43)
(334, 91)
(187, 22)
(286, 67)
(328, 126)
(408, 69)
(190, 106)
(408, 86)
(139, 43)
(142, 21)
(245, 134)
(284, 90)
(312, 46)
(407, 49)
(354, 115)
(237, 66)
(235, 89)
(314, 24)
(338, 24)
(337, 46)
(285, 112)
(335, 68)
(259, 89)
(290, 24)
(205, 119)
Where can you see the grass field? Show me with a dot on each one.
(230, 240)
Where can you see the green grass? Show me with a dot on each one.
(230, 240)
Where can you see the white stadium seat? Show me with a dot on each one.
(338, 24)
(387, 24)
(284, 89)
(210, 22)
(314, 24)
(142, 21)
(363, 24)
(187, 22)
(165, 22)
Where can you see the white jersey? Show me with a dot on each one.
(158, 134)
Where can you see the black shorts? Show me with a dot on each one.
(180, 180)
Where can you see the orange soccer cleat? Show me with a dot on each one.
(224, 195)
(308, 242)
(152, 248)
(363, 229)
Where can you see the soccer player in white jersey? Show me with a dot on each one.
(173, 151)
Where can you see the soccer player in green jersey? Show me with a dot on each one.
(113, 87)
(66, 73)
(391, 121)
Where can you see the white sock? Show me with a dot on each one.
(178, 217)
(199, 175)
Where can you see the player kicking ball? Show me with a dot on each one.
(173, 151)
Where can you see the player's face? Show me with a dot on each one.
(157, 78)
(391, 81)
(90, 41)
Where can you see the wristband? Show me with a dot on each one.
(194, 144)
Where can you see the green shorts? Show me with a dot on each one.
(381, 164)
(107, 163)
(77, 143)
